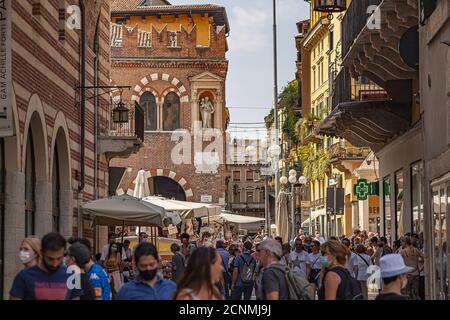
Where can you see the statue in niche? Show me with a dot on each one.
(207, 110)
(173, 40)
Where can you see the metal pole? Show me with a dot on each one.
(334, 210)
(293, 211)
(275, 97)
(267, 204)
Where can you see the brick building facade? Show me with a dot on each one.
(172, 57)
(41, 146)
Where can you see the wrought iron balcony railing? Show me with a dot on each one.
(354, 21)
(133, 128)
(343, 151)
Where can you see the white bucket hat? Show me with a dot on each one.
(392, 265)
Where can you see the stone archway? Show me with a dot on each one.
(185, 185)
(174, 82)
(60, 152)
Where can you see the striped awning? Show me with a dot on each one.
(367, 123)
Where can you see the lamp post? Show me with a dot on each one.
(292, 179)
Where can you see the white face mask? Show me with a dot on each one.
(26, 256)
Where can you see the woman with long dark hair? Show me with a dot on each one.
(203, 271)
(113, 266)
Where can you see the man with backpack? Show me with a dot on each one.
(243, 274)
(220, 246)
(278, 282)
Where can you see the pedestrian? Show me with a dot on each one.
(314, 266)
(298, 259)
(30, 252)
(352, 259)
(178, 263)
(187, 248)
(286, 250)
(319, 237)
(127, 261)
(336, 283)
(412, 258)
(48, 279)
(105, 249)
(147, 285)
(203, 271)
(98, 278)
(280, 240)
(397, 246)
(113, 268)
(167, 272)
(78, 257)
(364, 262)
(243, 274)
(273, 281)
(258, 271)
(307, 244)
(385, 245)
(143, 236)
(356, 234)
(394, 272)
(220, 247)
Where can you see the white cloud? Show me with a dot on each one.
(250, 26)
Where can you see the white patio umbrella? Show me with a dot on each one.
(141, 189)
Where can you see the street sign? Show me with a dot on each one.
(206, 198)
(361, 189)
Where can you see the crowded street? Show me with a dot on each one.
(244, 151)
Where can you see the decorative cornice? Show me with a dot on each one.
(132, 63)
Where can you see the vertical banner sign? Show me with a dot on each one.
(6, 123)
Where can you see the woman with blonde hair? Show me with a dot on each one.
(336, 281)
(30, 252)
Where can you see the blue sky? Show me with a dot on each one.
(250, 75)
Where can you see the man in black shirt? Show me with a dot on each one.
(273, 281)
(393, 272)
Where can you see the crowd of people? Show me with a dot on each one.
(263, 269)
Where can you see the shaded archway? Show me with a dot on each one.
(166, 187)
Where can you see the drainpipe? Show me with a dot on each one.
(83, 115)
(96, 105)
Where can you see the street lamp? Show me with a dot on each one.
(120, 113)
(330, 6)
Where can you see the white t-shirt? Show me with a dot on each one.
(362, 266)
(352, 262)
(298, 262)
(314, 260)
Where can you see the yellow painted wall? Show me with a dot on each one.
(174, 24)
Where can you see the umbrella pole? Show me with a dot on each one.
(123, 229)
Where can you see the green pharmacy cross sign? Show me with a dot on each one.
(361, 189)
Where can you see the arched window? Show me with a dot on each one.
(171, 112)
(148, 103)
(56, 187)
(30, 187)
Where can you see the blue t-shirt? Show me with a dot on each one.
(138, 290)
(225, 258)
(239, 263)
(99, 281)
(36, 284)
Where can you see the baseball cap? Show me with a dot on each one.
(80, 253)
(392, 265)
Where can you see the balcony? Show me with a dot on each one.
(346, 157)
(371, 44)
(362, 89)
(318, 204)
(312, 135)
(119, 140)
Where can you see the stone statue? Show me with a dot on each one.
(207, 110)
(173, 39)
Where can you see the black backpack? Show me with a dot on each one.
(351, 286)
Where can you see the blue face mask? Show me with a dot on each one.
(324, 261)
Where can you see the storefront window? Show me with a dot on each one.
(440, 243)
(417, 197)
(387, 207)
(399, 205)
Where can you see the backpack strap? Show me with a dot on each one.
(362, 259)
